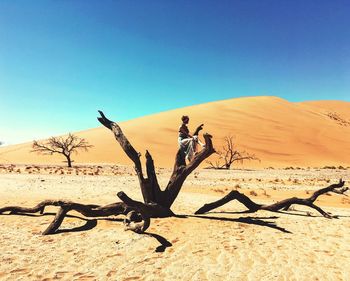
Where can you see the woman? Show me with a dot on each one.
(184, 133)
(187, 143)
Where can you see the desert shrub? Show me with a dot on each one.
(329, 167)
(253, 193)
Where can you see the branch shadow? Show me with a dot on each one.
(180, 216)
(248, 220)
(89, 223)
(299, 214)
(164, 243)
(54, 214)
(92, 223)
(232, 213)
(302, 213)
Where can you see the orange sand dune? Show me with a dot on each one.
(279, 132)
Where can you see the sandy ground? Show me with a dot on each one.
(221, 245)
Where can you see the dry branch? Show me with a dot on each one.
(284, 204)
(230, 154)
(87, 210)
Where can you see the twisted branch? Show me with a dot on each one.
(284, 204)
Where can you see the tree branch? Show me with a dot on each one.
(181, 172)
(87, 210)
(198, 129)
(153, 185)
(284, 204)
(127, 147)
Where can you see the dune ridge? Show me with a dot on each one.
(279, 132)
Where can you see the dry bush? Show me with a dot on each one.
(230, 154)
(253, 193)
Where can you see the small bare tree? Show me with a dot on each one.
(229, 154)
(62, 145)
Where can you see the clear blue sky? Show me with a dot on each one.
(62, 60)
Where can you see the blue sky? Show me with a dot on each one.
(61, 61)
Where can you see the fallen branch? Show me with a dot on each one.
(284, 204)
(87, 210)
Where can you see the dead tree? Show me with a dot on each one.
(157, 202)
(280, 205)
(62, 145)
(229, 154)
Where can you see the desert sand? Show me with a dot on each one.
(295, 142)
(279, 132)
(221, 245)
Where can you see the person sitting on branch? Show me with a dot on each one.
(188, 143)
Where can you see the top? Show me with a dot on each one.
(183, 131)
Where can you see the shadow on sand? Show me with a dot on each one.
(89, 223)
(164, 243)
(261, 221)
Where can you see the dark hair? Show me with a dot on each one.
(184, 117)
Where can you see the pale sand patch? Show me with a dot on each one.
(222, 245)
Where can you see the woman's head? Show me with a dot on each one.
(185, 119)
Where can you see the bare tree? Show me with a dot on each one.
(229, 154)
(157, 202)
(62, 145)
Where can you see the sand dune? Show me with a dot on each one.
(279, 132)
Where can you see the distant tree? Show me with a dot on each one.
(62, 145)
(229, 154)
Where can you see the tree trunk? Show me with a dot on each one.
(284, 204)
(69, 161)
(149, 186)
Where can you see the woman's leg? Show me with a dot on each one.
(190, 149)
